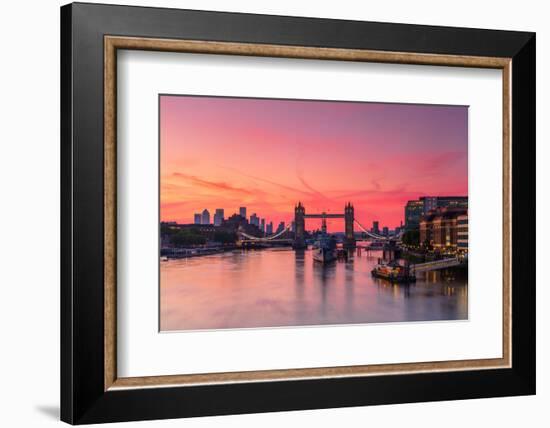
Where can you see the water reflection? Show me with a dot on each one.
(282, 287)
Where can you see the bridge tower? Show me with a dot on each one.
(299, 222)
(349, 218)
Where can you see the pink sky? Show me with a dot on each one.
(268, 154)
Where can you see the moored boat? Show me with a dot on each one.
(393, 272)
(324, 249)
(375, 245)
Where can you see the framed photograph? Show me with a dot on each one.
(265, 213)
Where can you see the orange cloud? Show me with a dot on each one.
(199, 182)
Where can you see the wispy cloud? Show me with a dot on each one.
(301, 178)
(436, 163)
(215, 185)
(265, 180)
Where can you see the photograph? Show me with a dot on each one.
(293, 212)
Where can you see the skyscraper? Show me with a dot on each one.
(262, 225)
(205, 217)
(413, 211)
(375, 227)
(269, 228)
(242, 212)
(452, 202)
(254, 220)
(281, 227)
(198, 218)
(218, 217)
(429, 203)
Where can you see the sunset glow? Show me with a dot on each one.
(269, 154)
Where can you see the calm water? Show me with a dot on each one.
(283, 287)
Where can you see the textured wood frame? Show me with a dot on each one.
(114, 43)
(90, 390)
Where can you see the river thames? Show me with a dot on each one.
(281, 287)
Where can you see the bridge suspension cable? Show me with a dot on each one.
(374, 235)
(287, 228)
(267, 238)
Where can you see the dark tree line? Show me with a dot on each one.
(193, 236)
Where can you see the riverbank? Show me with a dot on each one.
(184, 253)
(421, 257)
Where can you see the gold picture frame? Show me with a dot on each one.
(114, 43)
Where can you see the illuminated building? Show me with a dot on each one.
(440, 228)
(462, 233)
(413, 212)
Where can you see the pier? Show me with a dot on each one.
(436, 265)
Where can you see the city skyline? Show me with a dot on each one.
(264, 223)
(268, 154)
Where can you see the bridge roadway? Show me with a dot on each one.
(323, 215)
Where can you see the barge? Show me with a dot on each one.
(393, 272)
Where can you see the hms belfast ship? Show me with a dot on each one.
(324, 248)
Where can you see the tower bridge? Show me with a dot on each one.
(300, 217)
(299, 221)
